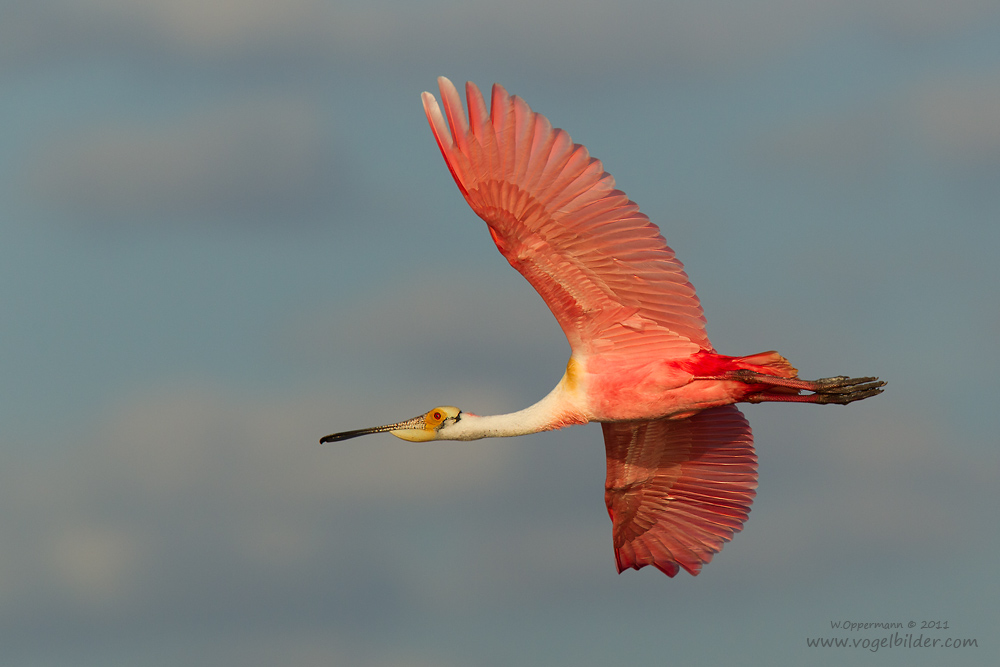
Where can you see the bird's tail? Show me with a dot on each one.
(771, 363)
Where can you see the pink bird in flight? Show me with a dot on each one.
(681, 467)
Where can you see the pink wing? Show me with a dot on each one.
(599, 264)
(677, 490)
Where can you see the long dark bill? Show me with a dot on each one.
(415, 423)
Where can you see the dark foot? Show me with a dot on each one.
(843, 390)
(840, 390)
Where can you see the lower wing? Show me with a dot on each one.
(678, 490)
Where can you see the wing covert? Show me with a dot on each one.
(600, 265)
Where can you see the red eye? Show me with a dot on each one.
(437, 415)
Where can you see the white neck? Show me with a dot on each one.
(552, 412)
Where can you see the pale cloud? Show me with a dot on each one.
(215, 28)
(439, 333)
(170, 443)
(853, 145)
(244, 158)
(958, 117)
(183, 482)
(953, 117)
(96, 565)
(444, 310)
(922, 19)
(882, 484)
(571, 37)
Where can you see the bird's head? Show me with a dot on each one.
(428, 426)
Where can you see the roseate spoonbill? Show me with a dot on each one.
(681, 468)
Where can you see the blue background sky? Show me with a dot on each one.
(227, 231)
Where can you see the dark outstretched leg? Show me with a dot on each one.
(841, 389)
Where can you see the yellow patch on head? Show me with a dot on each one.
(436, 417)
(425, 427)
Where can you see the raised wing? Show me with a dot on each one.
(600, 265)
(677, 490)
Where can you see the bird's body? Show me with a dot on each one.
(681, 466)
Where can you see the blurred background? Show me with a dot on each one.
(227, 231)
